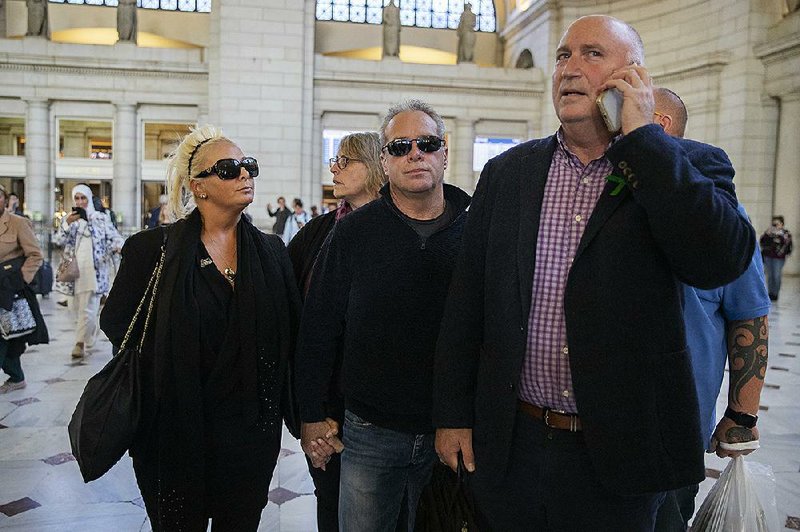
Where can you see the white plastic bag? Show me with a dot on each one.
(742, 500)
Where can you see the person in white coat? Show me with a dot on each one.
(90, 237)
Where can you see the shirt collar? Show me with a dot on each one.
(571, 156)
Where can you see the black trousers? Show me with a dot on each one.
(552, 486)
(238, 462)
(677, 510)
(326, 489)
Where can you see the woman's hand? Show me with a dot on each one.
(73, 217)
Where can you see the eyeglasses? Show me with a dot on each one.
(400, 147)
(231, 168)
(656, 113)
(341, 160)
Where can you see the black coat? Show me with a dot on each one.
(11, 285)
(676, 220)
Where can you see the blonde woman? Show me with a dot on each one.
(89, 236)
(225, 323)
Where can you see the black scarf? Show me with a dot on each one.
(259, 342)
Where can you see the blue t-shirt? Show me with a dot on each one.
(706, 313)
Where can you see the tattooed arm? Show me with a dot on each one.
(747, 361)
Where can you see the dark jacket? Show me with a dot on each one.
(676, 220)
(12, 285)
(379, 288)
(139, 258)
(776, 244)
(281, 214)
(305, 247)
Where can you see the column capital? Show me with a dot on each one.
(125, 106)
(37, 101)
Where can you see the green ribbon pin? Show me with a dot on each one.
(611, 178)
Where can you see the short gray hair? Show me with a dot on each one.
(412, 105)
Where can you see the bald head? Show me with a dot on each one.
(619, 29)
(670, 112)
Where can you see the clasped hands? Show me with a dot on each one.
(320, 441)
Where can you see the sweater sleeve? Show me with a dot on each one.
(322, 327)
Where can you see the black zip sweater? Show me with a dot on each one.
(379, 290)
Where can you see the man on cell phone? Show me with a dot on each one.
(561, 371)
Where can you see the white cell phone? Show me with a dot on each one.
(610, 104)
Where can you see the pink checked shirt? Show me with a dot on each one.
(570, 194)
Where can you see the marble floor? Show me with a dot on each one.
(41, 488)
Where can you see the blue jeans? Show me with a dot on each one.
(383, 475)
(773, 269)
(11, 365)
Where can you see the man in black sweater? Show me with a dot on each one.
(379, 290)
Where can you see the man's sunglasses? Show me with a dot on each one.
(400, 147)
(231, 168)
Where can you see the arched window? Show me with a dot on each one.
(200, 6)
(419, 13)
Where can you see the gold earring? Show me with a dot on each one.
(203, 196)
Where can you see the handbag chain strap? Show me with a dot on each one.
(152, 289)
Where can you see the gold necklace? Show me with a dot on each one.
(228, 272)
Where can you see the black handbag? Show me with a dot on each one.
(106, 419)
(445, 504)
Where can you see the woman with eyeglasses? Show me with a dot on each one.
(91, 239)
(357, 179)
(216, 360)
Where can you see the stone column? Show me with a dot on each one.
(38, 160)
(126, 178)
(787, 184)
(460, 154)
(267, 111)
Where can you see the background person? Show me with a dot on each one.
(14, 206)
(160, 214)
(281, 214)
(776, 245)
(16, 240)
(295, 221)
(357, 179)
(726, 324)
(90, 237)
(216, 361)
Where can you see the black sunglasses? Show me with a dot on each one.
(231, 168)
(400, 147)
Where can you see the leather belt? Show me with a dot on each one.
(552, 418)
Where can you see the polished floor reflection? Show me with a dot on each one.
(41, 488)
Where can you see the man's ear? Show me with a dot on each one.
(383, 164)
(665, 121)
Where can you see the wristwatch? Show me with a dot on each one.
(740, 418)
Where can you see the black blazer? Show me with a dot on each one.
(676, 220)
